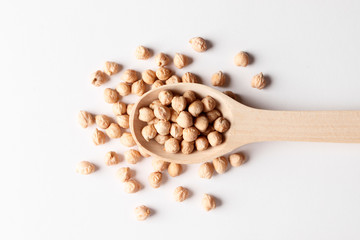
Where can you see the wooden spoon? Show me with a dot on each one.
(250, 125)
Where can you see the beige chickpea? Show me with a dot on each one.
(181, 194)
(123, 89)
(143, 153)
(201, 123)
(163, 127)
(198, 44)
(155, 179)
(221, 124)
(187, 147)
(138, 88)
(180, 60)
(201, 143)
(142, 212)
(206, 170)
(161, 139)
(176, 131)
(155, 103)
(213, 115)
(178, 103)
(189, 78)
(132, 156)
(98, 78)
(155, 120)
(102, 121)
(162, 112)
(98, 137)
(218, 79)
(127, 140)
(149, 76)
(190, 134)
(172, 145)
(142, 53)
(173, 79)
(129, 108)
(208, 202)
(258, 81)
(174, 169)
(131, 186)
(111, 95)
(159, 165)
(146, 114)
(230, 94)
(184, 119)
(215, 138)
(129, 76)
(195, 108)
(241, 59)
(148, 132)
(220, 164)
(114, 130)
(123, 174)
(157, 84)
(190, 96)
(162, 59)
(119, 108)
(85, 119)
(165, 97)
(111, 68)
(123, 121)
(163, 73)
(237, 159)
(85, 168)
(174, 115)
(111, 158)
(209, 103)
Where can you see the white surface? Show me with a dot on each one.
(310, 49)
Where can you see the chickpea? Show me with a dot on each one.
(161, 139)
(201, 143)
(176, 131)
(213, 115)
(111, 158)
(162, 60)
(148, 132)
(173, 79)
(201, 123)
(146, 114)
(113, 131)
(132, 156)
(123, 89)
(154, 121)
(165, 97)
(174, 115)
(198, 44)
(138, 88)
(85, 168)
(196, 108)
(123, 121)
(155, 179)
(102, 121)
(206, 170)
(174, 169)
(218, 79)
(149, 76)
(127, 140)
(142, 212)
(111, 95)
(181, 194)
(209, 103)
(189, 78)
(129, 108)
(142, 53)
(221, 125)
(123, 174)
(215, 138)
(162, 112)
(157, 83)
(163, 73)
(131, 186)
(143, 153)
(190, 134)
(129, 76)
(178, 103)
(98, 137)
(184, 119)
(85, 119)
(220, 164)
(180, 60)
(119, 108)
(190, 96)
(172, 145)
(187, 147)
(163, 127)
(258, 81)
(208, 202)
(237, 159)
(159, 165)
(241, 59)
(154, 104)
(98, 78)
(111, 68)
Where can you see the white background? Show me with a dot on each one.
(309, 49)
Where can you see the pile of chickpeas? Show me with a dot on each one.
(183, 123)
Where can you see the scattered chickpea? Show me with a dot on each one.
(142, 212)
(161, 139)
(162, 112)
(215, 138)
(159, 165)
(176, 131)
(178, 103)
(155, 103)
(218, 79)
(206, 170)
(174, 115)
(119, 108)
(149, 76)
(198, 44)
(123, 174)
(98, 137)
(208, 202)
(138, 88)
(111, 68)
(184, 119)
(142, 53)
(143, 153)
(98, 78)
(111, 158)
(201, 143)
(221, 124)
(241, 59)
(213, 115)
(173, 79)
(123, 89)
(102, 121)
(189, 78)
(123, 121)
(258, 81)
(174, 169)
(131, 186)
(162, 60)
(111, 95)
(220, 164)
(195, 108)
(155, 179)
(85, 119)
(180, 60)
(114, 130)
(129, 76)
(157, 83)
(237, 159)
(165, 97)
(163, 73)
(85, 168)
(129, 108)
(230, 94)
(190, 96)
(190, 134)
(181, 194)
(172, 145)
(132, 156)
(187, 147)
(163, 127)
(201, 123)
(209, 103)
(148, 132)
(146, 114)
(127, 140)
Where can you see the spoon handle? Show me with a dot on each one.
(306, 126)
